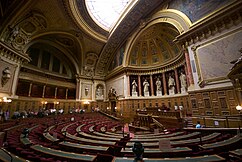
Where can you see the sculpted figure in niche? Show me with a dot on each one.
(146, 85)
(99, 92)
(183, 80)
(158, 84)
(134, 85)
(171, 82)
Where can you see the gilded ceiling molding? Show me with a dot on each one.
(82, 23)
(216, 22)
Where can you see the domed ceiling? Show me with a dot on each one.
(155, 46)
(106, 13)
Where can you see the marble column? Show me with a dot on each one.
(177, 81)
(139, 84)
(189, 69)
(151, 85)
(164, 83)
(30, 89)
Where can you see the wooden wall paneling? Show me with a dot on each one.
(49, 92)
(71, 93)
(61, 93)
(37, 90)
(22, 88)
(230, 94)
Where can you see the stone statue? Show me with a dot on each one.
(183, 80)
(134, 85)
(158, 84)
(171, 82)
(146, 87)
(158, 87)
(99, 92)
(171, 85)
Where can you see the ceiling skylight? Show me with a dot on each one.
(106, 12)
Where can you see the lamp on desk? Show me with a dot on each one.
(239, 108)
(138, 150)
(25, 132)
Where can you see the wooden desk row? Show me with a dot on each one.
(92, 141)
(86, 135)
(5, 156)
(157, 135)
(157, 150)
(220, 144)
(63, 154)
(167, 138)
(205, 158)
(181, 142)
(237, 153)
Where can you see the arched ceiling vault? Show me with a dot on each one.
(154, 46)
(157, 34)
(65, 42)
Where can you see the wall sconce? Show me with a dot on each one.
(44, 103)
(5, 99)
(56, 103)
(239, 108)
(86, 102)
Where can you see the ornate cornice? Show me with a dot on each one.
(11, 54)
(177, 62)
(217, 22)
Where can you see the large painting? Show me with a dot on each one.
(213, 58)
